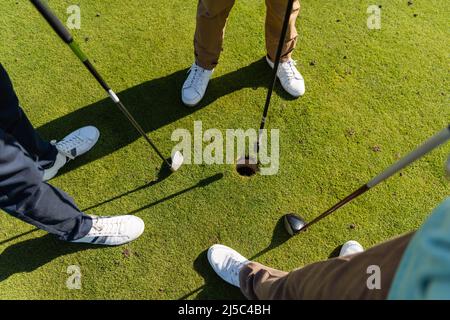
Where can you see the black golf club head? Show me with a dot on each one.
(293, 223)
(247, 166)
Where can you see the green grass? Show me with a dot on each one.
(391, 91)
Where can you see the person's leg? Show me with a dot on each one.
(276, 10)
(290, 78)
(23, 167)
(24, 195)
(49, 157)
(211, 19)
(14, 122)
(339, 278)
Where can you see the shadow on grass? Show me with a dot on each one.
(215, 287)
(279, 237)
(156, 103)
(201, 184)
(17, 236)
(163, 174)
(29, 255)
(335, 252)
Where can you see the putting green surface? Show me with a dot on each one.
(372, 95)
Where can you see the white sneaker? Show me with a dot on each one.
(227, 263)
(194, 87)
(291, 80)
(74, 145)
(113, 231)
(351, 247)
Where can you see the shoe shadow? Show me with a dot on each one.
(215, 287)
(156, 103)
(335, 252)
(29, 255)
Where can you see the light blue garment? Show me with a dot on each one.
(424, 271)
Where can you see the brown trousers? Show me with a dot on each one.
(211, 20)
(338, 278)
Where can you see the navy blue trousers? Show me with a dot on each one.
(23, 158)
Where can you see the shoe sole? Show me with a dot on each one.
(191, 105)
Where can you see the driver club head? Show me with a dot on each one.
(177, 161)
(293, 223)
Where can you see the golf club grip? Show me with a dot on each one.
(432, 143)
(53, 20)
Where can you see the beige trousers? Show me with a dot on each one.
(211, 20)
(338, 278)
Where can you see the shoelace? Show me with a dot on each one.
(105, 227)
(291, 70)
(66, 146)
(195, 76)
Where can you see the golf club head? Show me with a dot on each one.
(293, 223)
(177, 161)
(247, 166)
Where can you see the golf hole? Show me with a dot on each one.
(246, 166)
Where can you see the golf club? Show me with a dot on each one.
(289, 8)
(295, 224)
(64, 34)
(247, 165)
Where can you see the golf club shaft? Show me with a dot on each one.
(65, 35)
(429, 145)
(290, 6)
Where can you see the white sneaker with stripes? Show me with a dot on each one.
(113, 231)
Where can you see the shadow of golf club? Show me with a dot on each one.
(163, 174)
(18, 236)
(279, 236)
(156, 103)
(201, 184)
(187, 295)
(145, 186)
(215, 287)
(29, 255)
